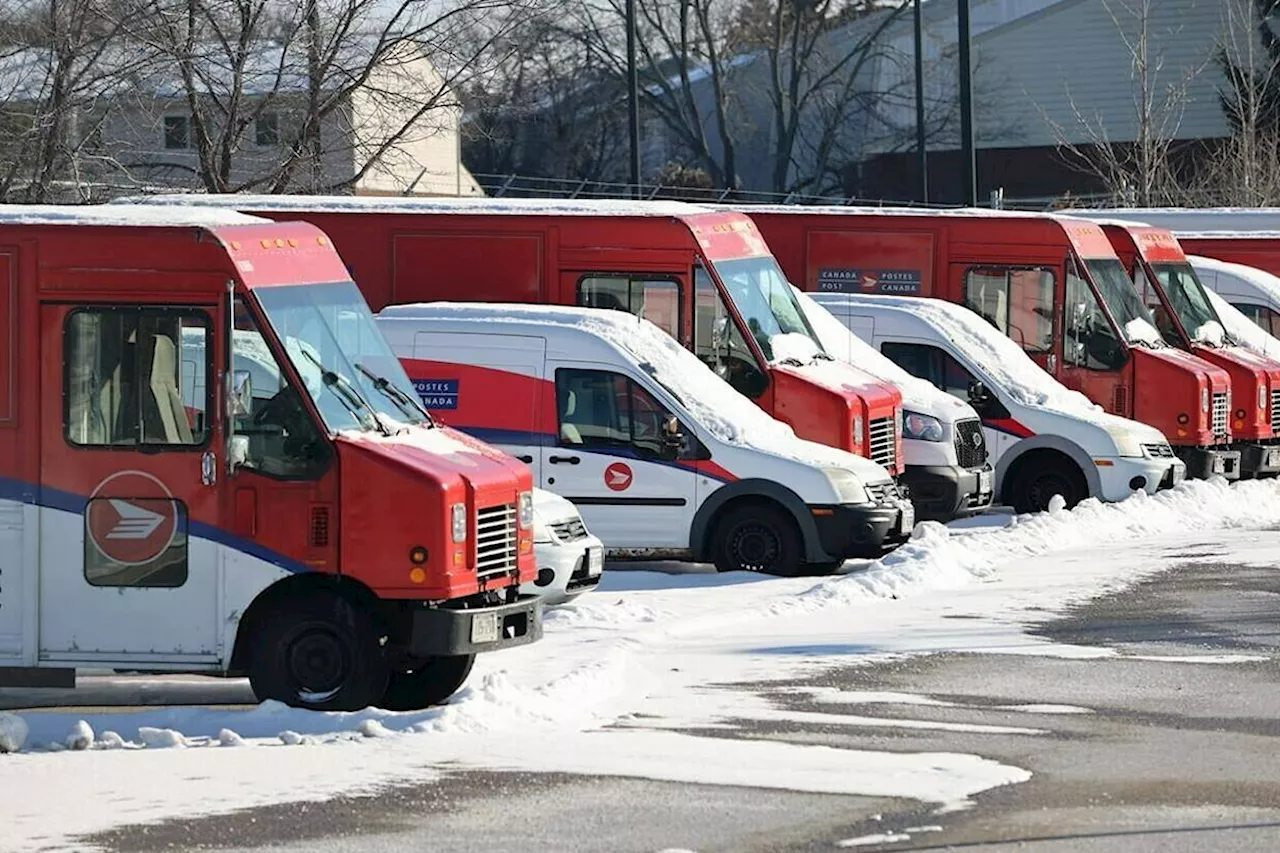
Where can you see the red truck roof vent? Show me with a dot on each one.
(320, 526)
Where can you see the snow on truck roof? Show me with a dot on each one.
(396, 204)
(842, 209)
(1233, 222)
(727, 414)
(123, 214)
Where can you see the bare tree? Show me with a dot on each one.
(1143, 171)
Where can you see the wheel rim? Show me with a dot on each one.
(754, 546)
(1044, 487)
(318, 663)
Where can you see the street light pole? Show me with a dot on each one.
(633, 99)
(966, 108)
(922, 153)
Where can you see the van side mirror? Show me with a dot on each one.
(978, 393)
(673, 440)
(241, 393)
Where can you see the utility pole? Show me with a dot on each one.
(922, 153)
(633, 99)
(967, 153)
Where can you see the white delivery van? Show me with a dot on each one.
(947, 473)
(570, 559)
(1251, 291)
(1043, 438)
(662, 457)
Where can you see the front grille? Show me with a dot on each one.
(883, 493)
(1275, 410)
(569, 531)
(1220, 415)
(971, 444)
(1158, 451)
(496, 543)
(884, 445)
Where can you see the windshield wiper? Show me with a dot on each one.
(347, 393)
(402, 401)
(823, 356)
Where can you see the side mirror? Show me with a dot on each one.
(978, 393)
(241, 393)
(673, 440)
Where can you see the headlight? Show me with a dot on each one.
(921, 427)
(526, 510)
(857, 431)
(1262, 397)
(1127, 444)
(459, 522)
(847, 486)
(1204, 399)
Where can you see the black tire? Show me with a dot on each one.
(758, 538)
(429, 683)
(1040, 479)
(319, 652)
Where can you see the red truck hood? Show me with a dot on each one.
(840, 377)
(452, 458)
(1217, 378)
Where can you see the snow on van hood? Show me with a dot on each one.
(708, 399)
(1242, 330)
(550, 508)
(839, 342)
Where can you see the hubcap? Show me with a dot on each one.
(317, 661)
(755, 547)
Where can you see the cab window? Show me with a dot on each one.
(283, 440)
(719, 342)
(602, 409)
(932, 365)
(1262, 316)
(136, 377)
(1091, 341)
(1018, 302)
(655, 299)
(1150, 298)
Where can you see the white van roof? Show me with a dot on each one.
(615, 336)
(1261, 280)
(984, 347)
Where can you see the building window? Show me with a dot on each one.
(137, 377)
(266, 130)
(177, 132)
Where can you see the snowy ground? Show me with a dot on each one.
(626, 674)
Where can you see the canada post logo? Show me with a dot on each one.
(131, 518)
(892, 282)
(437, 393)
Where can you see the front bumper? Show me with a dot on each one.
(1126, 474)
(447, 631)
(945, 492)
(566, 569)
(1258, 460)
(862, 530)
(1205, 462)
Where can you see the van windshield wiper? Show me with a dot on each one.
(402, 401)
(347, 393)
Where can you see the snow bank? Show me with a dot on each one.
(13, 733)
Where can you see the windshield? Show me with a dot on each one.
(1186, 296)
(1121, 298)
(763, 297)
(332, 340)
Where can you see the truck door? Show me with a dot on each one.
(129, 466)
(1095, 359)
(606, 457)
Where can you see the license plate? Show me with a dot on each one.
(484, 628)
(984, 482)
(1218, 465)
(908, 517)
(1273, 457)
(595, 561)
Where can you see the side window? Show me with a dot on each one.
(1091, 342)
(277, 435)
(932, 365)
(136, 376)
(1018, 302)
(655, 299)
(598, 408)
(719, 343)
